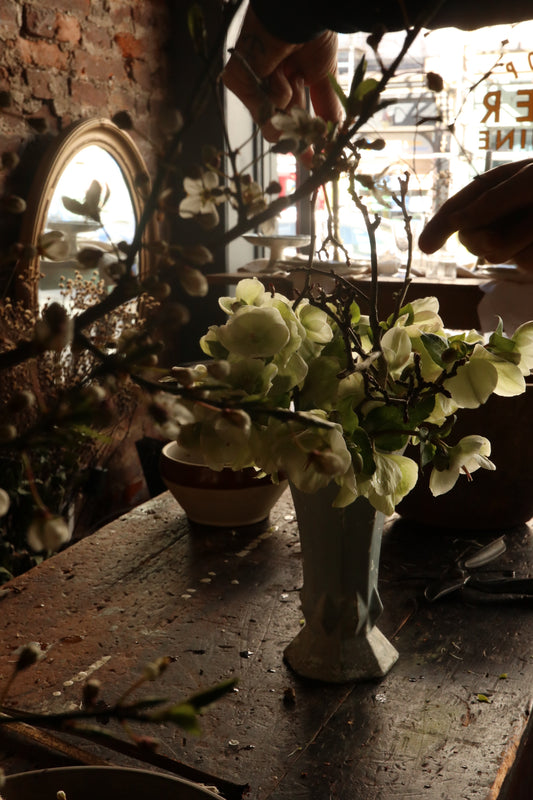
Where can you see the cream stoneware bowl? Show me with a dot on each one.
(224, 498)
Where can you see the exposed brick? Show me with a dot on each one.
(67, 29)
(120, 15)
(142, 74)
(151, 15)
(42, 54)
(83, 6)
(61, 63)
(85, 94)
(10, 19)
(39, 21)
(39, 83)
(95, 37)
(98, 68)
(4, 79)
(130, 46)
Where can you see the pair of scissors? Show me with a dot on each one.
(467, 573)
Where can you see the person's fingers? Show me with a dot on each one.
(524, 259)
(503, 241)
(255, 73)
(450, 217)
(325, 101)
(509, 195)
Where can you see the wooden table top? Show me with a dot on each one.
(445, 724)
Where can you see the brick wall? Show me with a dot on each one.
(65, 60)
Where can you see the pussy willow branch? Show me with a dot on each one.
(127, 287)
(401, 202)
(326, 170)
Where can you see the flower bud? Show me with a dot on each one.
(197, 254)
(53, 245)
(208, 220)
(219, 370)
(161, 291)
(94, 393)
(10, 160)
(13, 204)
(47, 532)
(89, 257)
(173, 316)
(194, 282)
(90, 692)
(5, 502)
(274, 187)
(154, 669)
(54, 331)
(183, 375)
(434, 82)
(28, 655)
(157, 248)
(21, 401)
(7, 432)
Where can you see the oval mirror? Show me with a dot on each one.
(93, 162)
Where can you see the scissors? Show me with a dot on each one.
(467, 573)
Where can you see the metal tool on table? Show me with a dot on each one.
(468, 574)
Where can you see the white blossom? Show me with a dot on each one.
(298, 124)
(203, 196)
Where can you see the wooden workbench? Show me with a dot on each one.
(445, 724)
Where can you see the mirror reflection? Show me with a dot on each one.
(91, 176)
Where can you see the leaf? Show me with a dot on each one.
(436, 346)
(337, 88)
(74, 206)
(421, 411)
(473, 384)
(361, 440)
(407, 309)
(92, 196)
(358, 76)
(427, 453)
(482, 698)
(197, 29)
(386, 425)
(184, 715)
(202, 699)
(366, 87)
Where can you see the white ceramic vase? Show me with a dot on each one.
(340, 601)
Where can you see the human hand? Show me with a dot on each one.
(493, 216)
(268, 74)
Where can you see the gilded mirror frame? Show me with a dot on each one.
(119, 145)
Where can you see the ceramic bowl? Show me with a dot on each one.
(104, 783)
(224, 498)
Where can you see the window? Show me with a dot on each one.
(482, 117)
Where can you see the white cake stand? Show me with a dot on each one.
(276, 246)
